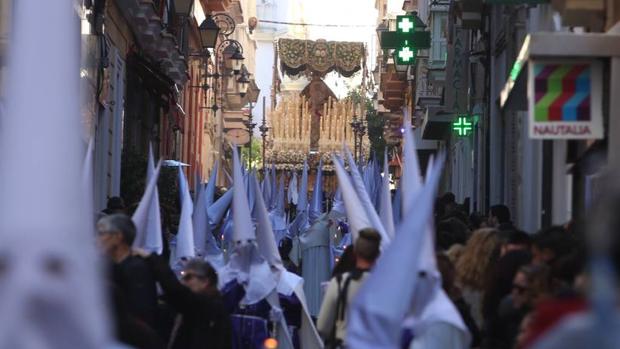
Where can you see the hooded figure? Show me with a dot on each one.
(357, 218)
(379, 313)
(277, 215)
(291, 298)
(301, 221)
(247, 277)
(267, 187)
(184, 247)
(366, 201)
(147, 216)
(316, 263)
(206, 246)
(218, 209)
(292, 194)
(336, 218)
(314, 243)
(52, 294)
(385, 201)
(316, 204)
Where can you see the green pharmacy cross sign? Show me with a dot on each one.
(405, 24)
(406, 40)
(463, 125)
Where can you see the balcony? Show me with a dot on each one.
(582, 13)
(157, 43)
(393, 86)
(436, 123)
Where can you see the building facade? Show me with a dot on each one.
(473, 71)
(147, 79)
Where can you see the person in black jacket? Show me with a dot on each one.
(130, 274)
(202, 321)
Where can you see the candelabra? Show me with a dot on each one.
(263, 133)
(359, 130)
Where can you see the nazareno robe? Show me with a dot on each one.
(316, 262)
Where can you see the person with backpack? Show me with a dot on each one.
(332, 320)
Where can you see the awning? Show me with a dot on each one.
(436, 123)
(553, 45)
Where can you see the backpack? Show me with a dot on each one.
(341, 307)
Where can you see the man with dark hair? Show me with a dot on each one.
(332, 320)
(114, 205)
(202, 320)
(516, 240)
(499, 218)
(130, 273)
(550, 244)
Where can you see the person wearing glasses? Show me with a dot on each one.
(202, 320)
(130, 274)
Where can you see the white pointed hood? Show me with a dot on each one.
(210, 191)
(243, 227)
(52, 291)
(385, 206)
(293, 194)
(301, 222)
(202, 229)
(411, 182)
(369, 208)
(147, 216)
(267, 186)
(264, 233)
(218, 209)
(358, 219)
(185, 247)
(288, 283)
(274, 188)
(338, 204)
(302, 203)
(246, 265)
(377, 312)
(278, 215)
(279, 206)
(88, 180)
(316, 204)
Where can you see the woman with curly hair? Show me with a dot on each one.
(474, 266)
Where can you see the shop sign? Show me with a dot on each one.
(565, 99)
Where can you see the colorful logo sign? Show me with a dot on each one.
(565, 99)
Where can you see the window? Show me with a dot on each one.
(439, 50)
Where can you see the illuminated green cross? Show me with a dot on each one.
(462, 125)
(405, 24)
(405, 54)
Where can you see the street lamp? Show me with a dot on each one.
(183, 7)
(243, 81)
(237, 60)
(381, 28)
(209, 31)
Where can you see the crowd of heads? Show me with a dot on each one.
(502, 275)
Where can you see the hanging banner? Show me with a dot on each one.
(565, 99)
